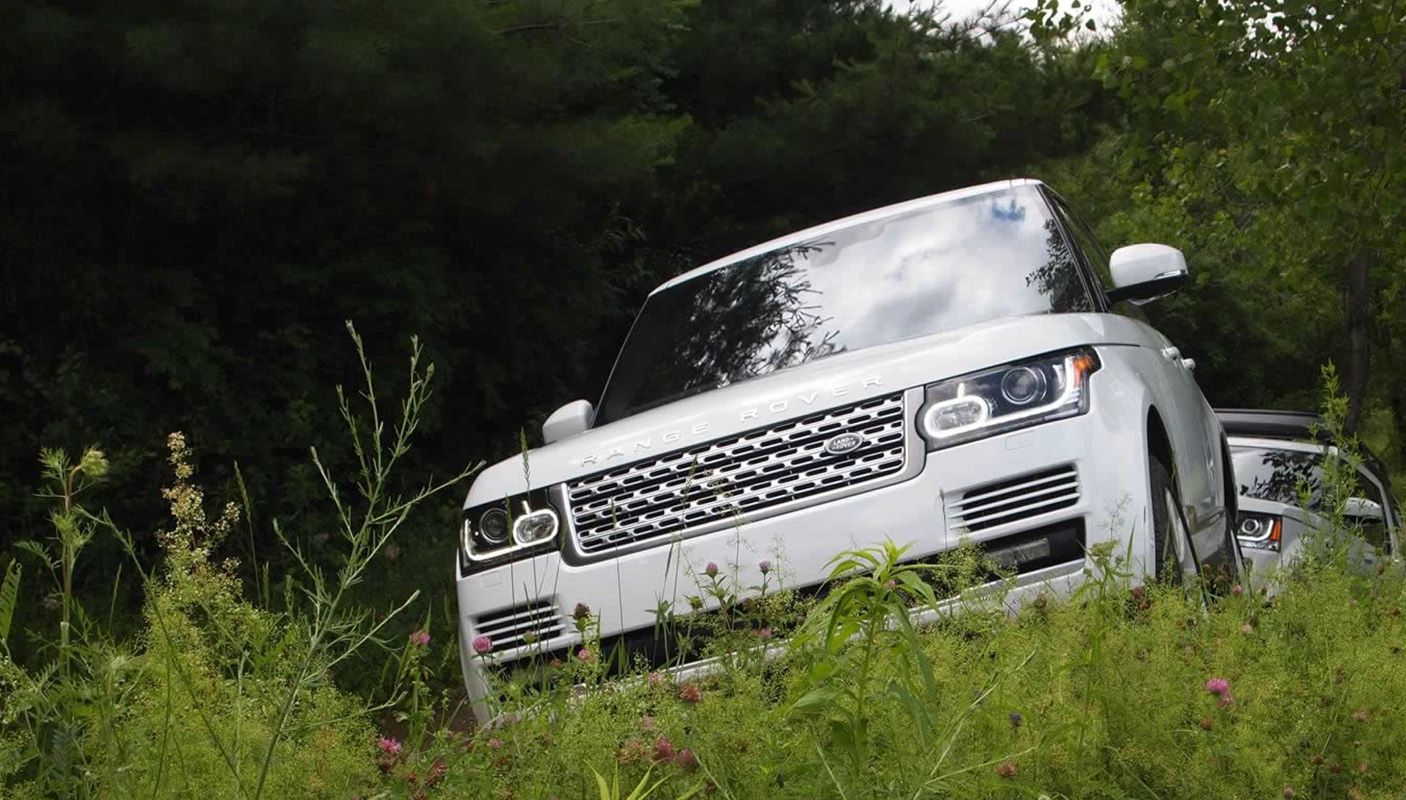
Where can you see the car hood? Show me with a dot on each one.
(825, 383)
(1255, 505)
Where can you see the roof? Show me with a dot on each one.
(845, 222)
(1296, 425)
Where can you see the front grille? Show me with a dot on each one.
(1014, 500)
(727, 478)
(513, 627)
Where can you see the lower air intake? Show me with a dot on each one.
(523, 625)
(1015, 500)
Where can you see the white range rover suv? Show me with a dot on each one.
(935, 370)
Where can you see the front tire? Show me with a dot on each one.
(1168, 532)
(1229, 570)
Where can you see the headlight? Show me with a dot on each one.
(535, 527)
(493, 526)
(492, 531)
(1259, 531)
(1005, 398)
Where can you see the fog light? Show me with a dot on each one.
(1012, 556)
(535, 526)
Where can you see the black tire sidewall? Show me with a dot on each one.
(1160, 482)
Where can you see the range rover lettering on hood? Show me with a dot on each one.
(814, 398)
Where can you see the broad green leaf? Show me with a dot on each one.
(817, 697)
(606, 792)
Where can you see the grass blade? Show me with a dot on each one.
(9, 596)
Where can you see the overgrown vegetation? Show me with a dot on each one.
(1115, 691)
(190, 205)
(216, 695)
(1264, 139)
(192, 201)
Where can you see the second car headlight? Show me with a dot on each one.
(1259, 531)
(1005, 398)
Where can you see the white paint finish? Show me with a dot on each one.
(844, 378)
(1107, 446)
(1297, 522)
(1019, 441)
(572, 419)
(1144, 263)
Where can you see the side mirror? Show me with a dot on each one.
(1362, 508)
(1144, 272)
(573, 418)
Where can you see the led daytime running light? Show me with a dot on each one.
(527, 531)
(1273, 529)
(934, 415)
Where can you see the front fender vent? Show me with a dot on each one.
(520, 626)
(1015, 500)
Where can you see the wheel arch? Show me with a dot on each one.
(1159, 448)
(1232, 506)
(1159, 444)
(1232, 489)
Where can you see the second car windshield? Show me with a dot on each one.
(1276, 475)
(994, 255)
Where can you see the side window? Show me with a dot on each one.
(1094, 259)
(1371, 522)
(1093, 253)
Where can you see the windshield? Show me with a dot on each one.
(937, 269)
(1268, 474)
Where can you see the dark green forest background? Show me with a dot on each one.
(195, 194)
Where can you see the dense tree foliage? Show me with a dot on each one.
(1265, 137)
(195, 195)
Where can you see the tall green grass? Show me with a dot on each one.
(219, 696)
(1102, 695)
(1118, 691)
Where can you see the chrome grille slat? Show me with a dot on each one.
(1006, 495)
(1036, 493)
(1012, 501)
(685, 471)
(509, 629)
(1025, 510)
(698, 485)
(747, 472)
